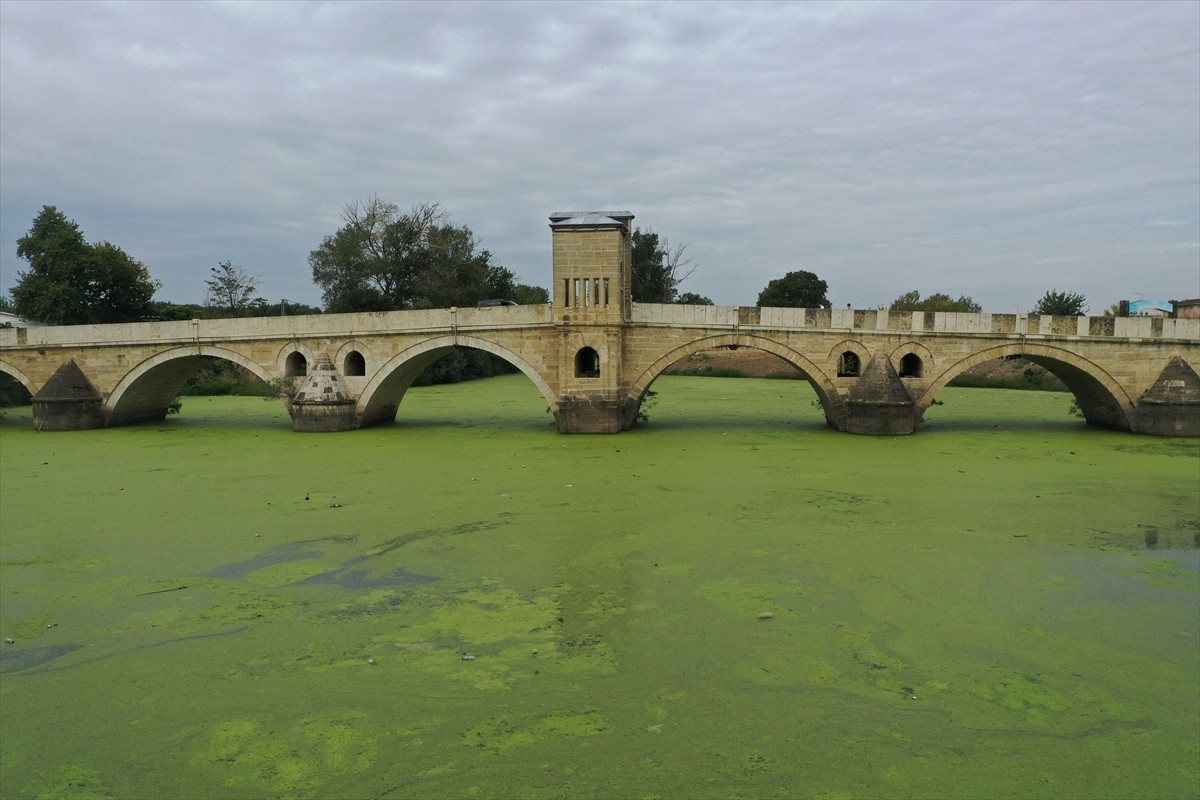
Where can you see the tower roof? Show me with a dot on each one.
(589, 219)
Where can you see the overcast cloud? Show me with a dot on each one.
(994, 150)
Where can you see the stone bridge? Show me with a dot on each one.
(593, 354)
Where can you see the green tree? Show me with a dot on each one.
(382, 260)
(169, 312)
(231, 290)
(456, 272)
(800, 289)
(693, 299)
(526, 295)
(71, 282)
(911, 301)
(1067, 304)
(6, 304)
(284, 308)
(657, 269)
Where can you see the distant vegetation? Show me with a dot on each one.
(912, 301)
(1068, 304)
(799, 289)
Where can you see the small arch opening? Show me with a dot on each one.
(296, 365)
(587, 363)
(911, 366)
(849, 365)
(354, 364)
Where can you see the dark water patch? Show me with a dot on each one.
(429, 533)
(1185, 537)
(350, 578)
(279, 554)
(1177, 447)
(18, 660)
(102, 657)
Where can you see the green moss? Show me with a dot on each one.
(509, 731)
(608, 589)
(71, 782)
(290, 760)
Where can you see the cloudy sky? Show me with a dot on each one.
(990, 149)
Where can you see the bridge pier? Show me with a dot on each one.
(879, 405)
(68, 402)
(591, 414)
(1171, 407)
(322, 404)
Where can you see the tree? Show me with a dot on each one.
(231, 289)
(911, 301)
(167, 311)
(382, 260)
(284, 308)
(800, 289)
(71, 282)
(6, 304)
(1067, 304)
(657, 269)
(526, 295)
(693, 299)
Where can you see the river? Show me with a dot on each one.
(731, 600)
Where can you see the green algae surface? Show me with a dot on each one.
(730, 601)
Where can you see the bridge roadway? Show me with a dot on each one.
(873, 371)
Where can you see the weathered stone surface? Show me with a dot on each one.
(878, 404)
(1171, 407)
(322, 404)
(68, 402)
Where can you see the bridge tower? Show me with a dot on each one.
(593, 256)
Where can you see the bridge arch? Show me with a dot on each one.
(1102, 400)
(295, 359)
(840, 357)
(147, 390)
(380, 399)
(353, 358)
(912, 360)
(831, 401)
(18, 376)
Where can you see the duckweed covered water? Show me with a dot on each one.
(467, 604)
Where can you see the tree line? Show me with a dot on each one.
(379, 259)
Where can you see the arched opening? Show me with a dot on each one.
(296, 365)
(791, 380)
(354, 364)
(587, 363)
(454, 360)
(1068, 385)
(849, 365)
(911, 366)
(149, 392)
(13, 392)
